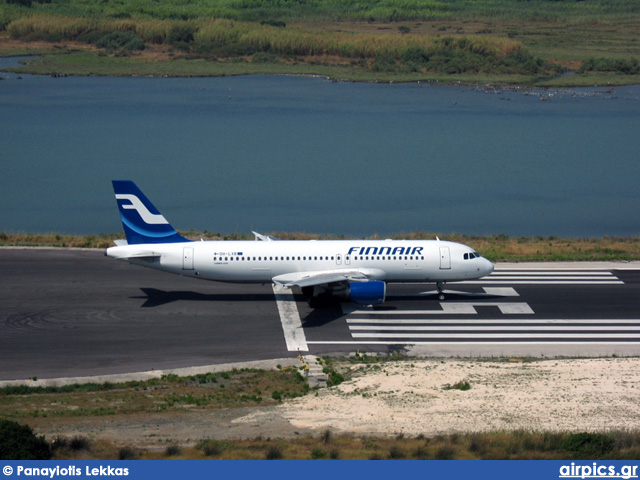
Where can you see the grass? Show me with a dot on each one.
(237, 388)
(466, 42)
(516, 445)
(496, 247)
(462, 385)
(40, 406)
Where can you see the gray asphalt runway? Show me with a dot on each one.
(78, 313)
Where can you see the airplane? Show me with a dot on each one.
(325, 270)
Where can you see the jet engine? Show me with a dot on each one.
(368, 293)
(363, 293)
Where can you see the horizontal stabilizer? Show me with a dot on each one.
(264, 238)
(124, 253)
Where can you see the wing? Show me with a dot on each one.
(322, 277)
(121, 252)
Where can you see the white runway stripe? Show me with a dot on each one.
(571, 322)
(599, 273)
(454, 308)
(290, 318)
(494, 335)
(547, 277)
(540, 282)
(555, 277)
(458, 342)
(489, 328)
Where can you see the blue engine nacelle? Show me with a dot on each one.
(368, 293)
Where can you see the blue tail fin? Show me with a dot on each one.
(142, 222)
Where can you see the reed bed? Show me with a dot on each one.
(212, 34)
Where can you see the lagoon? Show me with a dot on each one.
(279, 153)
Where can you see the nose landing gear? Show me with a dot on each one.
(440, 287)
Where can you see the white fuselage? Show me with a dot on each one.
(261, 261)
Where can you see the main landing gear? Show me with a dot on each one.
(440, 287)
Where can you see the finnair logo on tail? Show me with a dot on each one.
(148, 217)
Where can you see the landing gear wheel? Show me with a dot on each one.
(440, 287)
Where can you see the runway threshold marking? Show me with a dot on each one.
(451, 308)
(290, 319)
(548, 277)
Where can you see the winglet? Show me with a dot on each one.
(142, 222)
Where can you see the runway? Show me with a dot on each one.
(77, 313)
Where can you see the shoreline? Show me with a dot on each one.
(73, 59)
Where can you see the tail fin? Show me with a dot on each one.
(142, 222)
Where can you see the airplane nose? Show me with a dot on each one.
(488, 267)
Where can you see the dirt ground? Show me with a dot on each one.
(406, 397)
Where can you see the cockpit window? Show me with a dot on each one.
(470, 256)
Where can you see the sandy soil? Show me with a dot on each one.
(408, 397)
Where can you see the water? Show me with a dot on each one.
(305, 154)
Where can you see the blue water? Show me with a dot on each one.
(273, 153)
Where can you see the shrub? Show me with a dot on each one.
(181, 34)
(445, 453)
(78, 443)
(172, 451)
(126, 453)
(334, 379)
(18, 442)
(274, 23)
(318, 454)
(264, 57)
(416, 55)
(619, 65)
(396, 453)
(113, 41)
(274, 453)
(461, 385)
(210, 448)
(588, 444)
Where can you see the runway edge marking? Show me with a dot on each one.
(291, 322)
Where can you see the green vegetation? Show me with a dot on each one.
(43, 407)
(18, 442)
(237, 388)
(321, 10)
(462, 385)
(387, 40)
(495, 247)
(516, 445)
